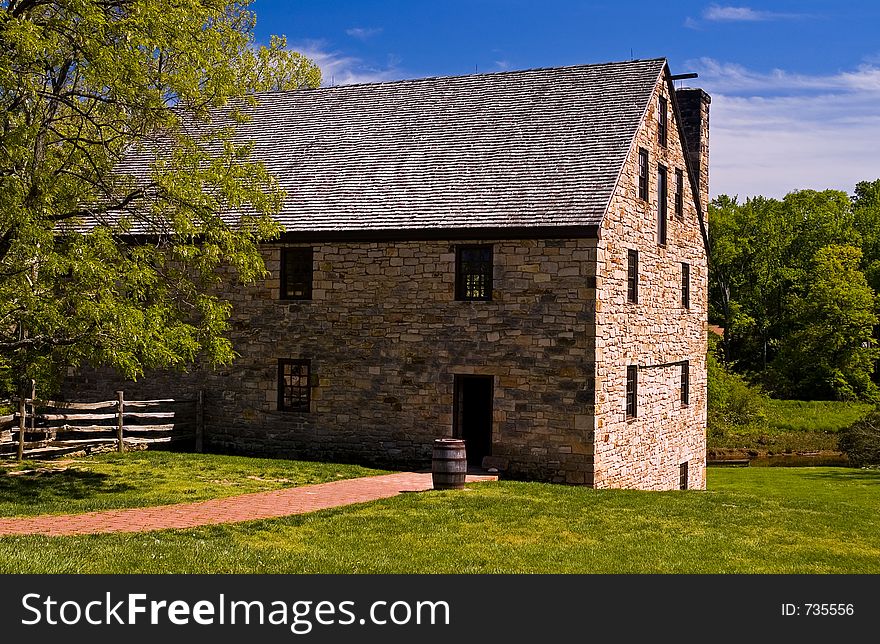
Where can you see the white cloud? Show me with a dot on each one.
(338, 68)
(736, 78)
(718, 13)
(775, 132)
(363, 33)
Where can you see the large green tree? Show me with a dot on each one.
(761, 259)
(866, 210)
(829, 353)
(105, 266)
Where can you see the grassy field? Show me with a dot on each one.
(751, 520)
(137, 479)
(794, 426)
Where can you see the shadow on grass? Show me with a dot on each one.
(842, 475)
(57, 486)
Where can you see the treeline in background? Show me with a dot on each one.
(794, 286)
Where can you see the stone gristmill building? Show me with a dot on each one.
(512, 258)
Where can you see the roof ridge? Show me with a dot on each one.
(528, 70)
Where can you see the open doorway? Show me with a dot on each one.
(473, 416)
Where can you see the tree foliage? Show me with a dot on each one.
(828, 353)
(793, 283)
(732, 402)
(85, 85)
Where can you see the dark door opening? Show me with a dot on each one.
(473, 416)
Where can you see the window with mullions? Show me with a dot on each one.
(662, 125)
(643, 174)
(679, 194)
(685, 383)
(686, 285)
(632, 276)
(683, 476)
(294, 388)
(632, 391)
(662, 196)
(296, 273)
(473, 273)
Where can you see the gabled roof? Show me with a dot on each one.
(534, 148)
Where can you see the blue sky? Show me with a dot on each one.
(795, 85)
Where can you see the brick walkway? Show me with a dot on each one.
(245, 507)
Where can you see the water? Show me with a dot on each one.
(800, 460)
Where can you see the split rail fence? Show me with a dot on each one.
(49, 428)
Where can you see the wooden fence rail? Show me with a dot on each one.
(51, 427)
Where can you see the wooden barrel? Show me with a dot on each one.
(448, 464)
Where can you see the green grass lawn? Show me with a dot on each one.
(794, 426)
(751, 520)
(143, 478)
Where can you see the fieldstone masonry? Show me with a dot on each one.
(386, 337)
(645, 452)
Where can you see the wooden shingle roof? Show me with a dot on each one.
(533, 148)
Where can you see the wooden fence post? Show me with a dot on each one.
(120, 398)
(200, 421)
(33, 405)
(21, 426)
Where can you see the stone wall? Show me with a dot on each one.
(386, 336)
(645, 452)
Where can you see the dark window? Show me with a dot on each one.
(661, 204)
(685, 383)
(643, 174)
(662, 127)
(679, 193)
(683, 476)
(473, 273)
(632, 391)
(296, 273)
(632, 276)
(294, 388)
(686, 285)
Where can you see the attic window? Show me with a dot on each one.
(473, 273)
(679, 193)
(643, 174)
(662, 126)
(296, 273)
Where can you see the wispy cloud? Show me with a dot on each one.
(338, 68)
(739, 79)
(719, 13)
(362, 33)
(773, 132)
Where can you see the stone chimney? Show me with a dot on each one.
(693, 107)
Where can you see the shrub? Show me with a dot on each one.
(861, 440)
(733, 402)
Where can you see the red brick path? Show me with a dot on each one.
(245, 507)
